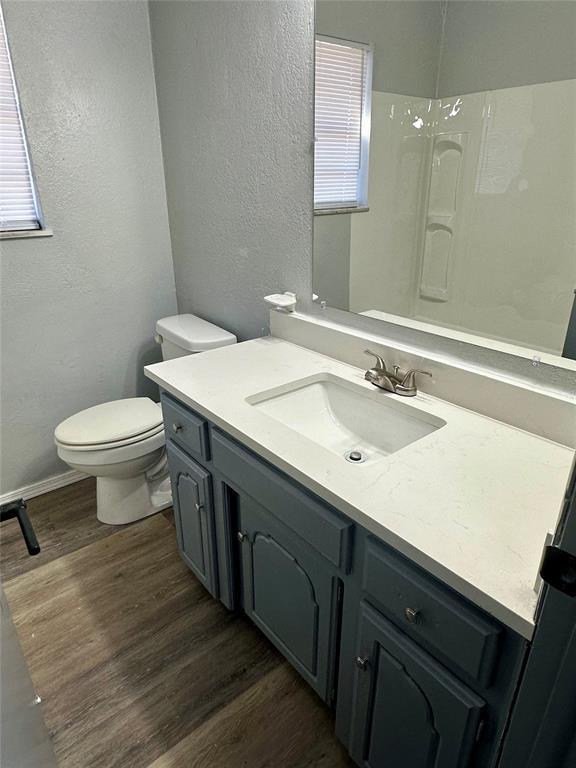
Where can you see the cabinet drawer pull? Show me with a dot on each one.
(362, 662)
(412, 615)
(176, 427)
(240, 536)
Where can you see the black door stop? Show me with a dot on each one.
(17, 509)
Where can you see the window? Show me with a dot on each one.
(19, 207)
(342, 95)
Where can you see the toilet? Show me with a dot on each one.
(122, 443)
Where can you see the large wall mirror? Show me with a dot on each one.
(445, 165)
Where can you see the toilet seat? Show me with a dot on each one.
(112, 444)
(112, 424)
(111, 433)
(113, 453)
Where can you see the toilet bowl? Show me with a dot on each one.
(122, 442)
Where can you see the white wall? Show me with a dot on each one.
(78, 309)
(234, 84)
(514, 255)
(509, 265)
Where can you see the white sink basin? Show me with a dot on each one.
(345, 417)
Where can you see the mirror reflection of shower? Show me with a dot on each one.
(471, 191)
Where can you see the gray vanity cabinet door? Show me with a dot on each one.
(289, 593)
(409, 711)
(194, 515)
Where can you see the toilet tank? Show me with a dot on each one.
(182, 335)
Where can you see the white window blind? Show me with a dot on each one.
(19, 209)
(343, 74)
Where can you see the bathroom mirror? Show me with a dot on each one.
(445, 166)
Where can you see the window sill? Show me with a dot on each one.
(25, 233)
(333, 211)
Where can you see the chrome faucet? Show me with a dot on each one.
(397, 381)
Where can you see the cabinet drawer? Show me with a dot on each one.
(326, 531)
(186, 428)
(430, 613)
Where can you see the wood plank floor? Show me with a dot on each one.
(136, 664)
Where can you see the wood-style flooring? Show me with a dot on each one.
(137, 666)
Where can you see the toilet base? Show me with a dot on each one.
(124, 500)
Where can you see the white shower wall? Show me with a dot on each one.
(511, 265)
(385, 240)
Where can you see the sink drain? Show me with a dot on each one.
(355, 456)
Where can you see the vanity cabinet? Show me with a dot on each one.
(408, 710)
(193, 515)
(418, 676)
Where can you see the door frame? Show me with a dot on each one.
(542, 732)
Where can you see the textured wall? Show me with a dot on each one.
(78, 309)
(487, 44)
(406, 35)
(331, 269)
(234, 83)
(490, 45)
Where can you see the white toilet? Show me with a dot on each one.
(122, 444)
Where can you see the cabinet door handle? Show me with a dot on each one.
(240, 536)
(412, 615)
(362, 662)
(176, 427)
(198, 507)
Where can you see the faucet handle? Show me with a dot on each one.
(409, 377)
(380, 364)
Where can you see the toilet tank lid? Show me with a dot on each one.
(192, 333)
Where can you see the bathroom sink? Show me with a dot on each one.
(346, 418)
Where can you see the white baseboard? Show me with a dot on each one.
(43, 486)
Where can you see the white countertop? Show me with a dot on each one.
(471, 502)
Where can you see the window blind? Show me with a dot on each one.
(18, 203)
(342, 123)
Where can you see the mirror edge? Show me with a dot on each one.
(532, 366)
